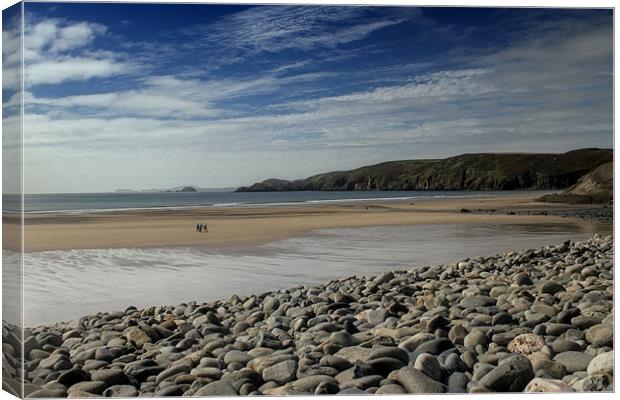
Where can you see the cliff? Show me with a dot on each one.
(483, 171)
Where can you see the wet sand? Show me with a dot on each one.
(261, 224)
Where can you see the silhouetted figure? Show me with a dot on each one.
(197, 227)
(205, 227)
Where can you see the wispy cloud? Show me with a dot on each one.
(268, 29)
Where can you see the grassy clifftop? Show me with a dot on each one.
(483, 171)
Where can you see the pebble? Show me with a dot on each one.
(526, 343)
(538, 320)
(415, 381)
(511, 375)
(217, 388)
(429, 365)
(281, 373)
(602, 364)
(121, 391)
(547, 385)
(574, 361)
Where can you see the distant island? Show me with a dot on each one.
(178, 189)
(188, 189)
(482, 172)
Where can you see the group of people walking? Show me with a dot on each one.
(200, 227)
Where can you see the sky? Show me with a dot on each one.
(157, 96)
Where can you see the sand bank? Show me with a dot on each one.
(259, 224)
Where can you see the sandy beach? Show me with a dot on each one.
(260, 224)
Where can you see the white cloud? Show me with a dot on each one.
(167, 96)
(58, 70)
(50, 54)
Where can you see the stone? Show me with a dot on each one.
(95, 387)
(453, 363)
(111, 377)
(457, 383)
(429, 365)
(554, 329)
(551, 287)
(593, 383)
(343, 339)
(336, 362)
(363, 382)
(547, 385)
(217, 388)
(281, 373)
(47, 393)
(602, 364)
(415, 381)
(354, 353)
(553, 368)
(457, 334)
(526, 343)
(391, 388)
(522, 279)
(170, 390)
(603, 337)
(326, 388)
(138, 336)
(121, 391)
(384, 365)
(474, 338)
(481, 369)
(511, 375)
(55, 359)
(73, 376)
(477, 301)
(142, 369)
(237, 356)
(411, 344)
(205, 372)
(308, 384)
(561, 345)
(172, 371)
(435, 347)
(574, 361)
(437, 322)
(388, 351)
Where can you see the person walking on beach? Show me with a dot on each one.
(205, 227)
(197, 227)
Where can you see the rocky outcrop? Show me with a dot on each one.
(596, 187)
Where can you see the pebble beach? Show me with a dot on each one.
(539, 320)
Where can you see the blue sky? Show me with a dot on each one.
(140, 96)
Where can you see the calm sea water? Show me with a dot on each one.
(85, 202)
(62, 285)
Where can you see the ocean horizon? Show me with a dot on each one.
(79, 203)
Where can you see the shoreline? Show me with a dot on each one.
(254, 225)
(543, 317)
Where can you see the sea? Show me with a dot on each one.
(60, 285)
(102, 202)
